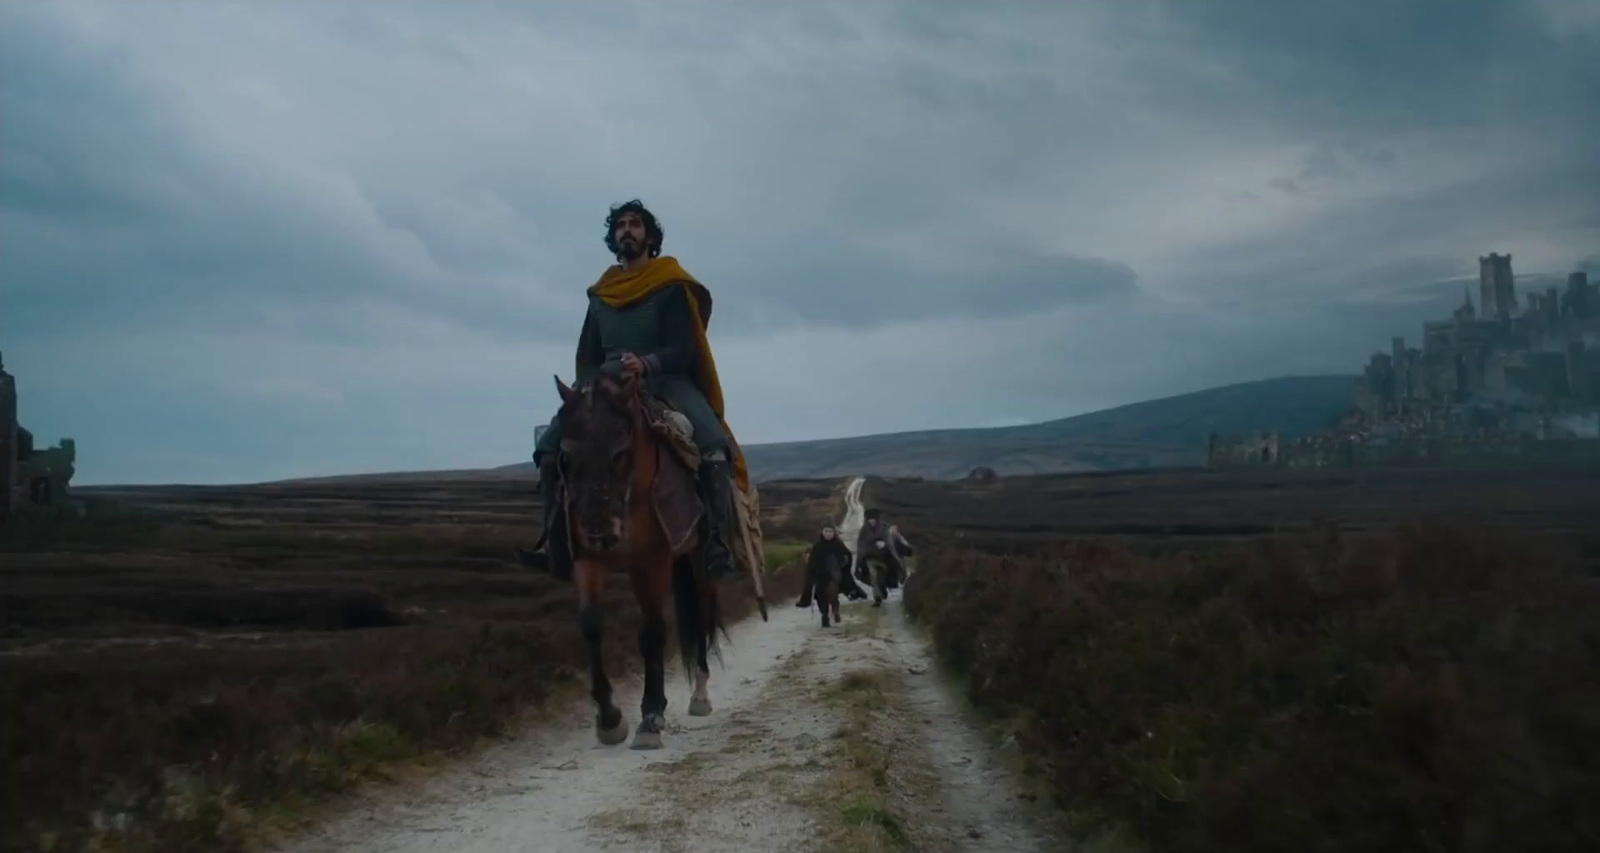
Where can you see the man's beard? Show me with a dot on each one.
(629, 249)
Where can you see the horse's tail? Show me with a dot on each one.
(694, 597)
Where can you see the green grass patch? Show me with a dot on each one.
(855, 803)
(871, 815)
(782, 554)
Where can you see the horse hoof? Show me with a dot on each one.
(615, 735)
(699, 707)
(646, 740)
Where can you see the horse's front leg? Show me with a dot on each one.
(590, 578)
(651, 586)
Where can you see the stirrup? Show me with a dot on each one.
(532, 558)
(542, 557)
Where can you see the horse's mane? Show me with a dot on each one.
(615, 392)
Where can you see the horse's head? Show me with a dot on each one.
(599, 428)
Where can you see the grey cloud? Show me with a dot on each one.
(1355, 252)
(1435, 64)
(857, 289)
(217, 234)
(1191, 192)
(1324, 164)
(1286, 185)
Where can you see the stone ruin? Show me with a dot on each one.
(29, 476)
(1489, 380)
(1539, 356)
(1258, 449)
(9, 451)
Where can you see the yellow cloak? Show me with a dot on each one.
(620, 288)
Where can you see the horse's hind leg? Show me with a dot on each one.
(609, 726)
(700, 701)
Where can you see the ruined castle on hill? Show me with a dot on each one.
(1497, 379)
(1543, 356)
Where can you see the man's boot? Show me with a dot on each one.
(716, 488)
(551, 554)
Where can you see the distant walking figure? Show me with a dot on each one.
(827, 575)
(879, 547)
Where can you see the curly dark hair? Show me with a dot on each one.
(652, 227)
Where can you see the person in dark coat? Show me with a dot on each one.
(895, 548)
(829, 556)
(828, 574)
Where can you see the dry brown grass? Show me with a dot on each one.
(1429, 688)
(186, 668)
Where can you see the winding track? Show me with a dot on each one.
(738, 780)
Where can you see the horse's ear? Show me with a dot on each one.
(565, 390)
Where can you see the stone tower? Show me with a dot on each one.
(1497, 288)
(8, 440)
(1576, 301)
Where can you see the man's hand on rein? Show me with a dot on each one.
(633, 366)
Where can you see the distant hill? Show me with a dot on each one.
(1161, 433)
(1169, 432)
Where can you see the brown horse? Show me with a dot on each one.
(632, 507)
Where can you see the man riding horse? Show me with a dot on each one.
(647, 319)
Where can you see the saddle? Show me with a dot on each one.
(672, 427)
(677, 500)
(675, 497)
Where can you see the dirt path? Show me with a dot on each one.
(843, 738)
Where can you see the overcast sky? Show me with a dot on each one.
(251, 241)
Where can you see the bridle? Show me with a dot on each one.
(634, 416)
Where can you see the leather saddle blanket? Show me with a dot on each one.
(677, 500)
(672, 428)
